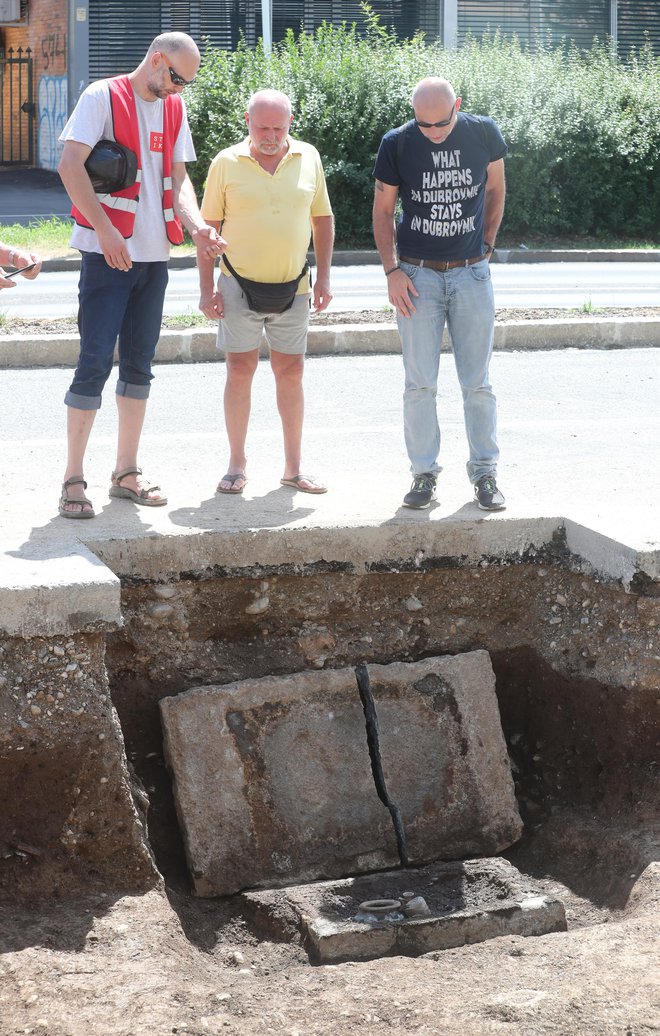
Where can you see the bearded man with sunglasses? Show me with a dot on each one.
(124, 236)
(447, 169)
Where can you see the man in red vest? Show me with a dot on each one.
(124, 237)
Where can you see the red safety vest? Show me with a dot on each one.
(121, 206)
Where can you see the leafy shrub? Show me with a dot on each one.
(583, 130)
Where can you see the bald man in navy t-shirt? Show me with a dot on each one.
(447, 170)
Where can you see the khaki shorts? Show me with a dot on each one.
(240, 330)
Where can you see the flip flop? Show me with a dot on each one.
(315, 487)
(233, 478)
(142, 495)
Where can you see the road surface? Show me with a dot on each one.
(562, 285)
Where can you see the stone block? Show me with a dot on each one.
(468, 902)
(444, 756)
(273, 781)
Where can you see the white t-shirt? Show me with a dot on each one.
(91, 121)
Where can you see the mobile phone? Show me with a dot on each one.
(15, 273)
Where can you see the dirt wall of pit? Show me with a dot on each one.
(86, 792)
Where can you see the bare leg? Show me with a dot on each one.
(288, 372)
(131, 419)
(78, 427)
(237, 398)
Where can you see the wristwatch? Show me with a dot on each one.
(489, 247)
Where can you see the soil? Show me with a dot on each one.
(94, 960)
(162, 963)
(68, 325)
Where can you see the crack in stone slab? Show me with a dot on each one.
(373, 743)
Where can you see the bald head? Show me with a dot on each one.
(175, 43)
(170, 64)
(433, 90)
(274, 100)
(436, 107)
(268, 119)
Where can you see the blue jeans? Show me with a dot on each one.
(463, 297)
(116, 303)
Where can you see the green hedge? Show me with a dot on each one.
(583, 130)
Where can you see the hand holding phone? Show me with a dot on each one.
(15, 273)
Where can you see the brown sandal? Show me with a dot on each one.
(75, 480)
(142, 495)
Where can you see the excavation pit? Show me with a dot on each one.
(469, 901)
(571, 627)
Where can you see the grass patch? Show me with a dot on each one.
(587, 307)
(182, 321)
(50, 238)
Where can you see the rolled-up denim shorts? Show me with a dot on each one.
(241, 329)
(116, 304)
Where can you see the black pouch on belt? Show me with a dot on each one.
(268, 298)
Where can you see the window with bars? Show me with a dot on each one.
(406, 16)
(555, 21)
(638, 21)
(534, 21)
(121, 30)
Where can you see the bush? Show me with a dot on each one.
(583, 130)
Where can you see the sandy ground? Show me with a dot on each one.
(162, 963)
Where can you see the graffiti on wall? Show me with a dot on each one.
(53, 48)
(52, 117)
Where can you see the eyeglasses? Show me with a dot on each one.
(179, 80)
(432, 125)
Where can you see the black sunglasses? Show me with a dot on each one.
(432, 125)
(179, 80)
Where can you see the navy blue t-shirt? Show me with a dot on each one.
(442, 187)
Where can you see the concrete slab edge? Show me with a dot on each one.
(359, 549)
(46, 597)
(81, 590)
(611, 558)
(199, 346)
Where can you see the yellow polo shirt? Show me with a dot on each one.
(266, 220)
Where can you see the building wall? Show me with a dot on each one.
(44, 33)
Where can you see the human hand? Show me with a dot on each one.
(399, 288)
(211, 304)
(208, 242)
(114, 248)
(6, 282)
(322, 295)
(20, 258)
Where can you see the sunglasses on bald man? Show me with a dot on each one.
(433, 125)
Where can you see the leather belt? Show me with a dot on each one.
(437, 264)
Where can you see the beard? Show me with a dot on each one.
(157, 89)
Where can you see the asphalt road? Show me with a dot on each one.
(579, 434)
(562, 285)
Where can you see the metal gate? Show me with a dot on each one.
(17, 108)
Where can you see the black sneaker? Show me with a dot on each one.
(421, 492)
(488, 495)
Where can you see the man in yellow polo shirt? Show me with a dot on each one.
(268, 194)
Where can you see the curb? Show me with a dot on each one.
(199, 346)
(370, 257)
